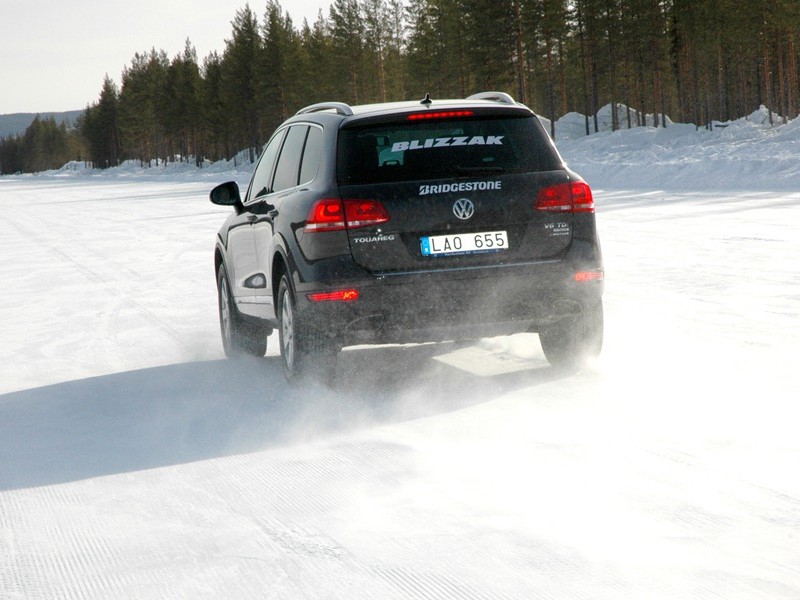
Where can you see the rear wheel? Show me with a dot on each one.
(305, 352)
(571, 342)
(239, 337)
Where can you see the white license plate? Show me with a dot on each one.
(464, 243)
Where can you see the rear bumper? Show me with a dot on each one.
(452, 305)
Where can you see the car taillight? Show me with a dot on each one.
(325, 215)
(363, 213)
(335, 296)
(572, 197)
(582, 276)
(334, 214)
(440, 114)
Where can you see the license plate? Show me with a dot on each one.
(464, 243)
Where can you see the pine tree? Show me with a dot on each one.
(181, 116)
(438, 49)
(347, 36)
(396, 84)
(215, 118)
(490, 27)
(240, 91)
(422, 47)
(100, 127)
(143, 107)
(317, 64)
(278, 65)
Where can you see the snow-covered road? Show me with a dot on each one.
(135, 462)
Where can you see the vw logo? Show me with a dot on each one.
(463, 209)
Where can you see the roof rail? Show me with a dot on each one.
(496, 96)
(340, 107)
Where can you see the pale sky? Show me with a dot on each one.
(54, 54)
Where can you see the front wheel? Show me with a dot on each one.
(305, 353)
(571, 342)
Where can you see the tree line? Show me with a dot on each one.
(694, 60)
(44, 145)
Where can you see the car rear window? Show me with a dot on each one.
(410, 151)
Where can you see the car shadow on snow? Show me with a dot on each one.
(195, 411)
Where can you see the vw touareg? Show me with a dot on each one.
(409, 222)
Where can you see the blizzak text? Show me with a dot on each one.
(444, 142)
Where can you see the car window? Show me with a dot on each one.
(288, 169)
(311, 155)
(259, 186)
(408, 151)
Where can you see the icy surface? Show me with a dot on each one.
(135, 462)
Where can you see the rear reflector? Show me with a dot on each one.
(440, 114)
(582, 276)
(337, 296)
(332, 214)
(572, 197)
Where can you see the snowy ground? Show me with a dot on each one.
(135, 462)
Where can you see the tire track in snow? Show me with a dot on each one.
(301, 546)
(107, 278)
(16, 579)
(20, 574)
(414, 584)
(376, 463)
(85, 564)
(275, 495)
(324, 562)
(286, 487)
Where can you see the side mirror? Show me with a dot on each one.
(226, 194)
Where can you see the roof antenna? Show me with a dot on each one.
(427, 100)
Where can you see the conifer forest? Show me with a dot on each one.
(695, 61)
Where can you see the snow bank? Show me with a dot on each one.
(746, 154)
(133, 169)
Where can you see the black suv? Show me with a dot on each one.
(409, 222)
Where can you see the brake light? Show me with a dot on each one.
(440, 114)
(571, 197)
(582, 276)
(363, 213)
(336, 296)
(325, 215)
(582, 200)
(333, 214)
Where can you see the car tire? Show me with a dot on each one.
(239, 337)
(573, 341)
(306, 354)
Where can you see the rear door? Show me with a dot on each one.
(459, 191)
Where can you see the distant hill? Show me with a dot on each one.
(17, 123)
